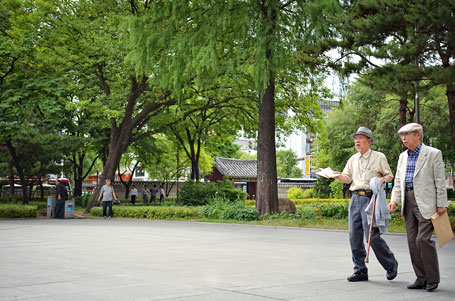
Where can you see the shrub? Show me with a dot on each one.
(295, 193)
(82, 201)
(335, 211)
(151, 212)
(308, 193)
(322, 187)
(17, 211)
(336, 190)
(306, 212)
(318, 201)
(227, 210)
(195, 194)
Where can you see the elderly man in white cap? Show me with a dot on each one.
(360, 168)
(420, 188)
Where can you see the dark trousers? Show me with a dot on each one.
(359, 230)
(105, 205)
(422, 248)
(59, 211)
(133, 199)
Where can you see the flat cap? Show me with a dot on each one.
(364, 131)
(410, 127)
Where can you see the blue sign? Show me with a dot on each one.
(70, 209)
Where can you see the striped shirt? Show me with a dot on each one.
(411, 165)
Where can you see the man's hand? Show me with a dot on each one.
(442, 210)
(392, 205)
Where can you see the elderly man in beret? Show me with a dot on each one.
(420, 188)
(359, 170)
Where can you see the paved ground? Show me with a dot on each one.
(121, 259)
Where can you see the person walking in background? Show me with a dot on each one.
(61, 196)
(153, 193)
(133, 194)
(359, 170)
(108, 194)
(420, 188)
(145, 194)
(161, 194)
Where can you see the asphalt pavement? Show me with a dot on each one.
(125, 259)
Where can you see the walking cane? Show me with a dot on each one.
(371, 228)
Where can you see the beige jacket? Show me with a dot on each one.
(429, 181)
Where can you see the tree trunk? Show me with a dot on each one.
(120, 135)
(450, 92)
(78, 176)
(12, 196)
(267, 190)
(19, 170)
(120, 139)
(130, 180)
(108, 173)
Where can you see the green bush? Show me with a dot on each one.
(336, 189)
(18, 200)
(322, 187)
(227, 210)
(306, 212)
(295, 193)
(17, 211)
(334, 210)
(451, 193)
(151, 212)
(318, 201)
(82, 201)
(196, 194)
(308, 193)
(451, 209)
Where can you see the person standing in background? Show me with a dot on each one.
(108, 194)
(145, 194)
(161, 194)
(61, 196)
(153, 193)
(133, 194)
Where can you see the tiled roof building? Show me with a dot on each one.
(241, 171)
(237, 168)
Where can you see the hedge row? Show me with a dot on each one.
(17, 211)
(152, 212)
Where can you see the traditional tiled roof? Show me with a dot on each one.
(237, 168)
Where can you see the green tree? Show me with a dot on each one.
(287, 164)
(256, 41)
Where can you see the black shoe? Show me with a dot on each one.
(431, 287)
(358, 277)
(392, 273)
(416, 286)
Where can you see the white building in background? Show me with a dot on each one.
(247, 145)
(301, 143)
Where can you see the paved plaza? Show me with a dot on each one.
(123, 259)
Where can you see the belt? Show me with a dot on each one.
(365, 192)
(409, 188)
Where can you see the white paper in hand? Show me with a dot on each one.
(327, 173)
